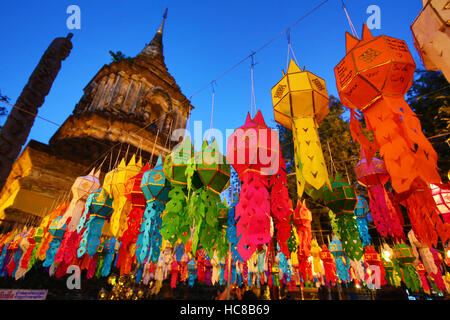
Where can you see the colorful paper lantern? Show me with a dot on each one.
(342, 201)
(441, 195)
(114, 185)
(342, 267)
(373, 77)
(300, 103)
(176, 162)
(99, 209)
(373, 258)
(255, 154)
(329, 266)
(431, 34)
(361, 210)
(155, 188)
(81, 189)
(136, 197)
(405, 258)
(372, 174)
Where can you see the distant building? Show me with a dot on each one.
(131, 101)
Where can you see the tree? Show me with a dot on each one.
(429, 98)
(3, 111)
(119, 56)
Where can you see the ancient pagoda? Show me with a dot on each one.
(129, 105)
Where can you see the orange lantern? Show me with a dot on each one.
(373, 78)
(431, 32)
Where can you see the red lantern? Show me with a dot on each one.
(441, 195)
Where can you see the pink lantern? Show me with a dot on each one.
(441, 195)
(374, 176)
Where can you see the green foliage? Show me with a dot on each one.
(119, 56)
(429, 98)
(3, 111)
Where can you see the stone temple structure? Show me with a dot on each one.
(130, 105)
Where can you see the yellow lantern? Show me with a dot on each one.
(431, 32)
(114, 185)
(300, 103)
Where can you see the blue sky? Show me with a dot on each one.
(202, 39)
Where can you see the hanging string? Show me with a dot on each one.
(331, 158)
(212, 109)
(288, 36)
(262, 47)
(154, 146)
(253, 100)
(352, 27)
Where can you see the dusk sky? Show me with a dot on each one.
(202, 39)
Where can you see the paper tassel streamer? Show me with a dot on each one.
(231, 229)
(109, 250)
(329, 266)
(373, 258)
(57, 236)
(340, 259)
(342, 201)
(300, 102)
(372, 174)
(423, 278)
(422, 252)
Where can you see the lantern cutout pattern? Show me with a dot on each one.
(254, 151)
(422, 253)
(342, 201)
(100, 209)
(341, 260)
(361, 210)
(373, 262)
(405, 258)
(136, 197)
(302, 218)
(231, 228)
(372, 174)
(431, 34)
(373, 77)
(329, 266)
(441, 196)
(48, 237)
(300, 103)
(176, 221)
(155, 188)
(57, 236)
(210, 175)
(114, 185)
(81, 189)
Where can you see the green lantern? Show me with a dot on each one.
(404, 256)
(211, 168)
(342, 199)
(177, 161)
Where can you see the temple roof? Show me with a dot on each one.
(155, 47)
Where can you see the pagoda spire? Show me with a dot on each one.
(155, 47)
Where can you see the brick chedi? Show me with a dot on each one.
(133, 102)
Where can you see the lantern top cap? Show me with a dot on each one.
(351, 41)
(293, 67)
